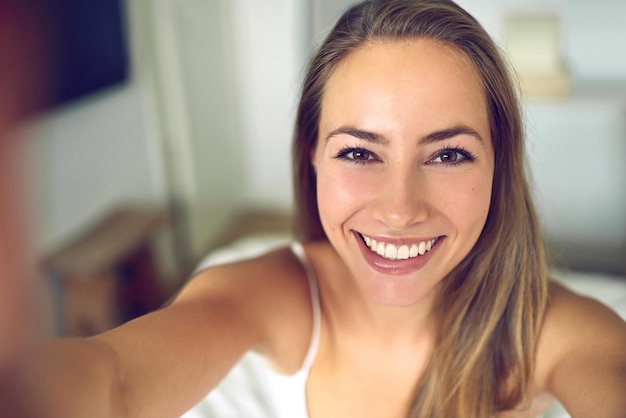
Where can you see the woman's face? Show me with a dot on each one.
(404, 165)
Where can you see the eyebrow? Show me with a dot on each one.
(358, 133)
(451, 132)
(430, 138)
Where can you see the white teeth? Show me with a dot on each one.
(380, 248)
(403, 252)
(391, 252)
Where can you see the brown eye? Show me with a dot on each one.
(361, 155)
(357, 155)
(452, 156)
(449, 157)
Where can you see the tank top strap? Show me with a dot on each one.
(298, 250)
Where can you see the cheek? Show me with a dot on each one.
(468, 203)
(339, 194)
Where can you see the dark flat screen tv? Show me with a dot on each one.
(88, 47)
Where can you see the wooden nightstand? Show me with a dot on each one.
(107, 275)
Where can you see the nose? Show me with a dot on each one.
(402, 200)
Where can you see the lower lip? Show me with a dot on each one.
(396, 267)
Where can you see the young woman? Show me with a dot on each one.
(420, 287)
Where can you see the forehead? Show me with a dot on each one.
(418, 83)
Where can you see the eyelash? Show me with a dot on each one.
(466, 156)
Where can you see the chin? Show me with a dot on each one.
(398, 290)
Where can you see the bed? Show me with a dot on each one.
(609, 289)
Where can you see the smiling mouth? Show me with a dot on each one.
(402, 252)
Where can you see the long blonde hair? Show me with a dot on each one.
(492, 304)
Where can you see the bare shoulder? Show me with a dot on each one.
(257, 276)
(271, 295)
(574, 321)
(582, 354)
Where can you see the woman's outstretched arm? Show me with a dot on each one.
(65, 377)
(158, 365)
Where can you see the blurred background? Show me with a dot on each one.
(166, 132)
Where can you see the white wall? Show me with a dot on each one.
(576, 151)
(271, 46)
(86, 158)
